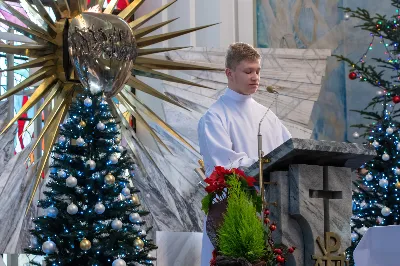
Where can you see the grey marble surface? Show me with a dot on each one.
(315, 152)
(168, 186)
(300, 217)
(178, 248)
(16, 181)
(289, 232)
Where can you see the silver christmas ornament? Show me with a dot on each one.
(356, 135)
(369, 177)
(121, 148)
(383, 182)
(49, 247)
(135, 217)
(116, 224)
(87, 102)
(126, 191)
(363, 205)
(72, 209)
(142, 232)
(71, 181)
(52, 212)
(354, 236)
(92, 164)
(61, 173)
(385, 211)
(100, 126)
(398, 146)
(363, 230)
(61, 139)
(119, 262)
(385, 157)
(113, 159)
(346, 16)
(389, 130)
(53, 170)
(80, 141)
(397, 171)
(99, 208)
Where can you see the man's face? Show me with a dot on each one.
(245, 78)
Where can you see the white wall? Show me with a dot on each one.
(236, 18)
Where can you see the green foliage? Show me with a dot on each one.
(242, 233)
(206, 203)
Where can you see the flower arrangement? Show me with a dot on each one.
(234, 224)
(217, 186)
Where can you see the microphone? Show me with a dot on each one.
(272, 89)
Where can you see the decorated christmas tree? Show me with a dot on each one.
(376, 196)
(93, 214)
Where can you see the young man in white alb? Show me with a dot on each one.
(228, 130)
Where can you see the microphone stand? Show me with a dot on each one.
(260, 161)
(270, 89)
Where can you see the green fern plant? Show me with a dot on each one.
(242, 234)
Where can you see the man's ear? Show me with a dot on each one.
(228, 73)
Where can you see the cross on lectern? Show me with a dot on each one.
(326, 194)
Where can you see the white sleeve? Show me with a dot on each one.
(216, 146)
(285, 133)
(282, 131)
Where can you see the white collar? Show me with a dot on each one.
(236, 96)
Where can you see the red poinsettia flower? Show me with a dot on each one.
(222, 171)
(216, 181)
(213, 261)
(250, 181)
(239, 172)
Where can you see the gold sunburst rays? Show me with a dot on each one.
(39, 93)
(143, 19)
(48, 51)
(146, 41)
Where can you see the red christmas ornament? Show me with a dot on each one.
(272, 227)
(396, 99)
(266, 212)
(278, 251)
(352, 75)
(280, 259)
(291, 250)
(266, 221)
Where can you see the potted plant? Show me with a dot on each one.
(235, 226)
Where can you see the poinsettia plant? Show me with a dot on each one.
(242, 237)
(217, 187)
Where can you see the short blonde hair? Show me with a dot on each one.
(238, 52)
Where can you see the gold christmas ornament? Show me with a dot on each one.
(85, 244)
(117, 140)
(82, 123)
(138, 243)
(135, 199)
(109, 179)
(397, 185)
